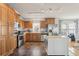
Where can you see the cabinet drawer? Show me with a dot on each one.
(3, 45)
(11, 30)
(4, 30)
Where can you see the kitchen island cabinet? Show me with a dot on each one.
(57, 45)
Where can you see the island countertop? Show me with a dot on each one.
(56, 36)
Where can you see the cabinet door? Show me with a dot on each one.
(13, 42)
(3, 45)
(10, 17)
(51, 46)
(4, 30)
(0, 30)
(0, 46)
(60, 46)
(0, 15)
(27, 37)
(4, 15)
(7, 44)
(11, 30)
(21, 23)
(36, 37)
(50, 20)
(28, 24)
(43, 24)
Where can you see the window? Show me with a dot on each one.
(67, 27)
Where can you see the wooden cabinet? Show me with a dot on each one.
(4, 30)
(10, 30)
(36, 37)
(8, 43)
(21, 23)
(11, 17)
(50, 20)
(7, 40)
(4, 15)
(31, 37)
(43, 24)
(0, 15)
(3, 45)
(0, 30)
(12, 39)
(13, 42)
(0, 46)
(27, 37)
(28, 24)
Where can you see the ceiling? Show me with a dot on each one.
(47, 10)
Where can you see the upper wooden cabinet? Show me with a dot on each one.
(21, 22)
(28, 24)
(4, 30)
(11, 17)
(43, 24)
(50, 20)
(3, 15)
(0, 15)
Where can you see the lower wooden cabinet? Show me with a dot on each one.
(0, 46)
(27, 37)
(13, 42)
(7, 45)
(3, 46)
(36, 37)
(32, 37)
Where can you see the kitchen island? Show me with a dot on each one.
(57, 45)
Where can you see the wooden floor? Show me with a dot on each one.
(31, 49)
(74, 48)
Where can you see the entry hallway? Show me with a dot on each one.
(31, 49)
